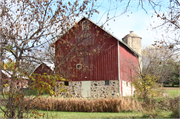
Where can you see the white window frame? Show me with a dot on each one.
(78, 66)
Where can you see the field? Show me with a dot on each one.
(173, 92)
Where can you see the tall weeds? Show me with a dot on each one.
(86, 105)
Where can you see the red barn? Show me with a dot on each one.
(42, 70)
(96, 63)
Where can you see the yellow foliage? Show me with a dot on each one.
(145, 85)
(5, 85)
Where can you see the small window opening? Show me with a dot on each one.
(85, 25)
(78, 66)
(66, 83)
(126, 83)
(107, 82)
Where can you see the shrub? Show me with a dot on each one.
(175, 107)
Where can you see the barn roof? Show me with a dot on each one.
(9, 73)
(6, 73)
(123, 43)
(50, 65)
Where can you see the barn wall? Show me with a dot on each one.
(128, 70)
(127, 88)
(101, 66)
(128, 64)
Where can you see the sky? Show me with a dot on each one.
(135, 19)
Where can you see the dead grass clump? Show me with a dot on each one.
(86, 105)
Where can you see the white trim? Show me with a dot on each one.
(119, 67)
(79, 65)
(35, 68)
(8, 74)
(50, 65)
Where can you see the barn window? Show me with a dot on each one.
(78, 66)
(85, 25)
(107, 82)
(66, 83)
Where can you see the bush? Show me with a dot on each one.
(175, 113)
(175, 107)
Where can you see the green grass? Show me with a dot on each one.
(87, 115)
(96, 115)
(84, 115)
(173, 93)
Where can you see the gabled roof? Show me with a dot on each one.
(6, 73)
(104, 31)
(9, 73)
(50, 65)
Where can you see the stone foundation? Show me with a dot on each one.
(73, 90)
(98, 89)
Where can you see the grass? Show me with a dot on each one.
(97, 115)
(85, 115)
(173, 93)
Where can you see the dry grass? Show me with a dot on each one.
(86, 105)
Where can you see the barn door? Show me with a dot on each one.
(86, 88)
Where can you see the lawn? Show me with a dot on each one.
(173, 92)
(97, 115)
(85, 115)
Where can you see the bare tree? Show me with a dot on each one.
(159, 62)
(26, 30)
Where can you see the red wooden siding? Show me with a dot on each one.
(102, 66)
(128, 63)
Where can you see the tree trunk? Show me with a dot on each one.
(12, 113)
(20, 114)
